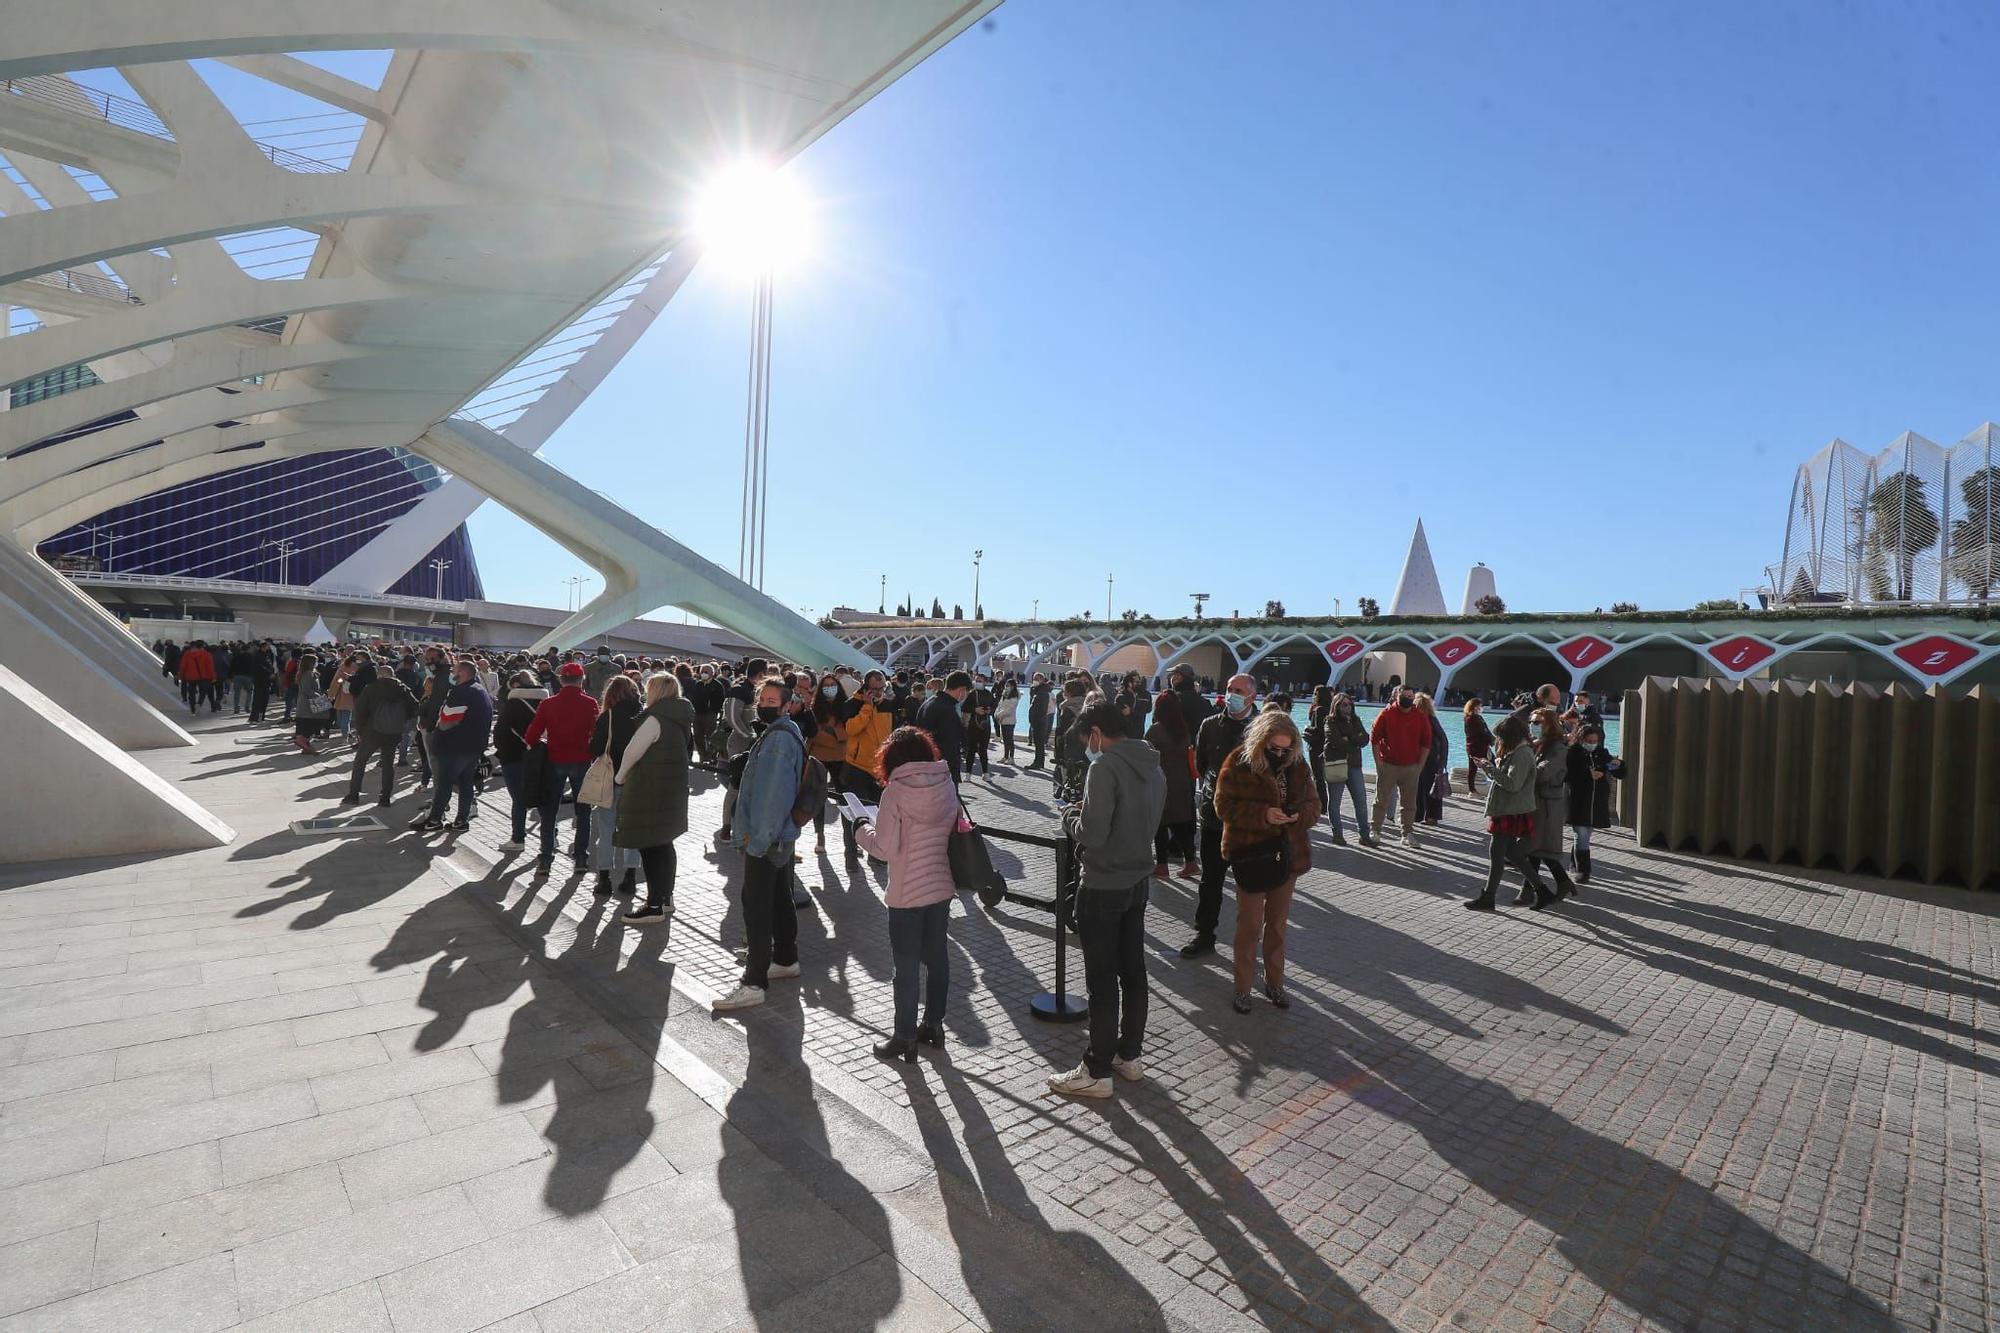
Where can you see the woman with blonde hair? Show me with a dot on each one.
(653, 793)
(1265, 797)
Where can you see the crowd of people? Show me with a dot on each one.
(1225, 784)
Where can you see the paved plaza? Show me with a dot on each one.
(373, 1081)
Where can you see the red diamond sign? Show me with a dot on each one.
(1584, 650)
(1934, 655)
(1740, 655)
(1452, 651)
(1343, 649)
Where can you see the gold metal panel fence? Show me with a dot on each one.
(1852, 777)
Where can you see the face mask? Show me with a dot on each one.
(1404, 704)
(1236, 704)
(768, 715)
(1277, 758)
(829, 691)
(1093, 755)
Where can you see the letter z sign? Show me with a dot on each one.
(1934, 656)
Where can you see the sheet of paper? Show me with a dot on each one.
(851, 808)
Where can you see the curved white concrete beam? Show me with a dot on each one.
(643, 568)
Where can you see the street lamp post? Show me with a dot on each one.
(1107, 596)
(285, 547)
(440, 565)
(882, 598)
(977, 556)
(1199, 598)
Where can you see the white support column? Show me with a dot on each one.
(78, 682)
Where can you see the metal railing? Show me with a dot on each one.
(128, 114)
(86, 284)
(249, 588)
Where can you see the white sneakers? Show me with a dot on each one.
(1080, 1082)
(743, 997)
(1129, 1070)
(781, 971)
(1410, 839)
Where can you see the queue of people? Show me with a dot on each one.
(1149, 786)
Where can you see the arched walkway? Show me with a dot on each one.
(1511, 667)
(1295, 664)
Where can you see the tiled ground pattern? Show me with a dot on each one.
(1703, 1095)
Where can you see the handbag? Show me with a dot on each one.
(599, 783)
(971, 863)
(1335, 772)
(1263, 867)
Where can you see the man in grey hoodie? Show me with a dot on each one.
(1124, 792)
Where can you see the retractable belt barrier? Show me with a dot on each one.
(1056, 1005)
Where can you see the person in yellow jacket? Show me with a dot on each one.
(868, 717)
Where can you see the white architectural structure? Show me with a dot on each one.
(1478, 584)
(1417, 591)
(519, 161)
(1916, 522)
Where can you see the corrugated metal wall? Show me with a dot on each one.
(1853, 777)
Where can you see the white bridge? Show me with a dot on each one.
(1920, 646)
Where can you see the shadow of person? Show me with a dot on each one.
(601, 1075)
(352, 875)
(1652, 1239)
(1743, 972)
(775, 1106)
(1021, 1269)
(1278, 1269)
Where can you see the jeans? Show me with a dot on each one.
(770, 922)
(1007, 742)
(1112, 924)
(659, 864)
(454, 771)
(569, 778)
(367, 748)
(1581, 832)
(1357, 794)
(517, 813)
(241, 688)
(1214, 874)
(916, 939)
(1038, 730)
(345, 717)
(606, 855)
(1393, 780)
(291, 701)
(403, 741)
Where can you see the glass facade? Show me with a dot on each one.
(288, 520)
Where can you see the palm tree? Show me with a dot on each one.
(1899, 522)
(1975, 545)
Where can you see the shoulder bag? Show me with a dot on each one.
(971, 864)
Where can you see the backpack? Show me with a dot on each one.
(390, 716)
(811, 797)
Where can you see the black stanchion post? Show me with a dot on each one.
(1059, 1006)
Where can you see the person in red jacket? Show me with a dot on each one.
(1401, 738)
(564, 722)
(198, 682)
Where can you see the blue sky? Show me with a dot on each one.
(1226, 297)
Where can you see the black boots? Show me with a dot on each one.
(1554, 865)
(897, 1048)
(1583, 865)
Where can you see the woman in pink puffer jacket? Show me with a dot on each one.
(912, 831)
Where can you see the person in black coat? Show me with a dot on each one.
(1592, 769)
(939, 716)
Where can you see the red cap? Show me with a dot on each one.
(571, 671)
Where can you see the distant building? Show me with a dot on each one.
(1417, 591)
